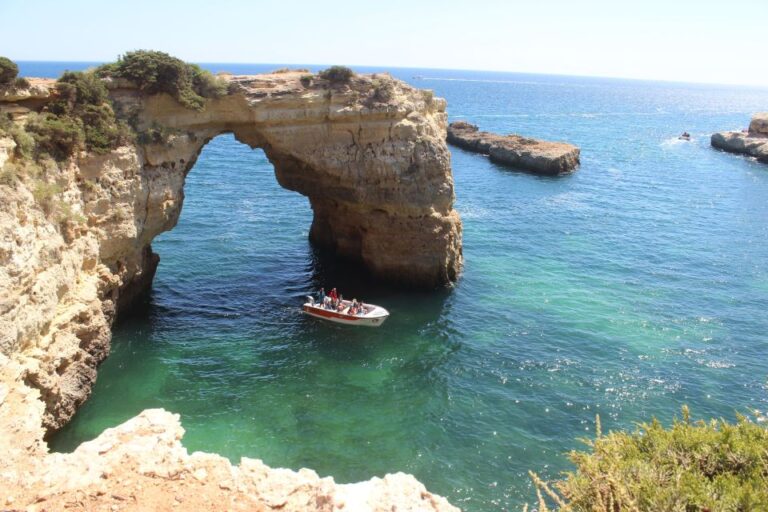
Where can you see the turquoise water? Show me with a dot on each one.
(632, 287)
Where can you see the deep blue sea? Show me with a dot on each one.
(632, 287)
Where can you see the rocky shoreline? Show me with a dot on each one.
(142, 465)
(75, 247)
(537, 156)
(753, 142)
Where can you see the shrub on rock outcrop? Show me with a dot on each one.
(383, 90)
(75, 89)
(82, 103)
(306, 80)
(155, 134)
(693, 466)
(8, 71)
(157, 72)
(57, 136)
(337, 74)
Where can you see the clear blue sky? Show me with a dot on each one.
(686, 40)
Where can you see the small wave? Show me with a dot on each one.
(674, 141)
(474, 212)
(717, 364)
(573, 200)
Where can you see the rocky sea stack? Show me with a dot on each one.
(92, 168)
(753, 142)
(538, 156)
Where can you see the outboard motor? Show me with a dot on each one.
(311, 300)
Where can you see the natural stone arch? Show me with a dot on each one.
(377, 175)
(369, 154)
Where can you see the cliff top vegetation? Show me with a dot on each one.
(337, 74)
(8, 71)
(80, 115)
(693, 466)
(156, 72)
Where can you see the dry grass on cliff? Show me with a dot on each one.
(691, 466)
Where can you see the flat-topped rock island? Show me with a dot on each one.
(538, 156)
(753, 142)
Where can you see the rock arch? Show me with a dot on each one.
(377, 174)
(371, 157)
(369, 154)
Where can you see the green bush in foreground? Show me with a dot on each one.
(8, 71)
(337, 74)
(155, 72)
(692, 466)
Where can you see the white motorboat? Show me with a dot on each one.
(370, 316)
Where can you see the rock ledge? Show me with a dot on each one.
(753, 142)
(539, 156)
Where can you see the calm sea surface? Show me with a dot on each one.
(632, 287)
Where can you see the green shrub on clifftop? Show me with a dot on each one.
(692, 466)
(156, 72)
(337, 74)
(57, 136)
(8, 71)
(75, 90)
(81, 104)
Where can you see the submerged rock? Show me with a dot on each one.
(753, 142)
(539, 156)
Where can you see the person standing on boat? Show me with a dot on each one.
(334, 297)
(321, 296)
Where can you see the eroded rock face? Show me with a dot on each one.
(75, 243)
(753, 143)
(538, 156)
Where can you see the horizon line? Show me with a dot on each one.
(635, 79)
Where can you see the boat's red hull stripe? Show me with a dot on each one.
(331, 314)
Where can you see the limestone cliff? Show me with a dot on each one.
(753, 142)
(75, 237)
